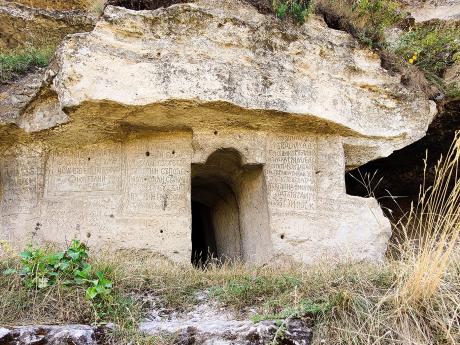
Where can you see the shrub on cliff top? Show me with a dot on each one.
(433, 48)
(297, 9)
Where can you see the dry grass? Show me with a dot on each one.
(423, 303)
(412, 298)
(432, 230)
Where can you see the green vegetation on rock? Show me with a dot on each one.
(299, 10)
(364, 19)
(14, 63)
(433, 48)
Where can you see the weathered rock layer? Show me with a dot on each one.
(38, 23)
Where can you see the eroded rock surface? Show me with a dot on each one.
(209, 324)
(51, 335)
(23, 25)
(211, 110)
(435, 9)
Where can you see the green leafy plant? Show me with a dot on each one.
(100, 287)
(40, 270)
(297, 9)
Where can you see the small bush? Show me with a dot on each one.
(432, 49)
(17, 63)
(41, 269)
(297, 9)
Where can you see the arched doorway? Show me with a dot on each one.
(229, 211)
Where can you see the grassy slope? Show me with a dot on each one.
(350, 303)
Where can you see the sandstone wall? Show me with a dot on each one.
(137, 194)
(35, 23)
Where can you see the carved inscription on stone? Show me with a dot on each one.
(291, 162)
(81, 216)
(20, 184)
(157, 176)
(330, 169)
(346, 204)
(91, 169)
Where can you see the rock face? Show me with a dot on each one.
(52, 335)
(206, 127)
(435, 9)
(405, 170)
(40, 23)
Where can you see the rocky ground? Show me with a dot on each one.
(53, 335)
(207, 323)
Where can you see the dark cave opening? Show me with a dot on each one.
(403, 172)
(203, 238)
(215, 221)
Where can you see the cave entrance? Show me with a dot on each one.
(229, 210)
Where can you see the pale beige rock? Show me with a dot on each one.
(252, 120)
(428, 10)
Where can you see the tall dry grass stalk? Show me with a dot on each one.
(421, 305)
(431, 231)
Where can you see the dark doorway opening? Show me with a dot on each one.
(203, 239)
(215, 220)
(229, 210)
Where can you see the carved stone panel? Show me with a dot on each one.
(311, 216)
(157, 176)
(92, 169)
(291, 179)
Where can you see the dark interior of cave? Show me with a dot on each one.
(203, 238)
(402, 173)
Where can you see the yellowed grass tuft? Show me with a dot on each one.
(431, 231)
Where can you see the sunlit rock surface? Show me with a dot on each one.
(206, 127)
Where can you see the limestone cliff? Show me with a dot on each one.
(215, 104)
